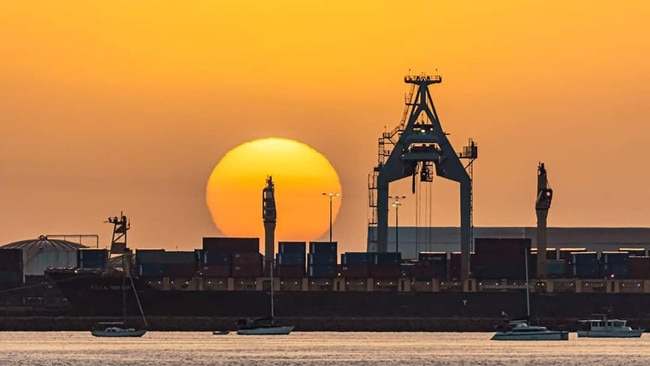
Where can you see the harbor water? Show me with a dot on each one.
(314, 348)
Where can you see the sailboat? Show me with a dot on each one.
(521, 330)
(267, 325)
(120, 329)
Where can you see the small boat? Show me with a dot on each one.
(220, 332)
(267, 325)
(120, 329)
(262, 326)
(116, 329)
(520, 330)
(607, 328)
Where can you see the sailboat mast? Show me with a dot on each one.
(270, 216)
(527, 286)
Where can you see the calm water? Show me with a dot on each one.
(313, 348)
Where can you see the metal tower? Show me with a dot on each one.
(120, 226)
(542, 204)
(419, 148)
(270, 216)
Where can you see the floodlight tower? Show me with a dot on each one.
(419, 148)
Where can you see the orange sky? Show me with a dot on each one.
(123, 105)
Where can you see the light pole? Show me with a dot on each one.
(396, 204)
(331, 196)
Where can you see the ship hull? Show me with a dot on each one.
(95, 295)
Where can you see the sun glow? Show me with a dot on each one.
(300, 173)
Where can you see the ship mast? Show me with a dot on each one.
(542, 204)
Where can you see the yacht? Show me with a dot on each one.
(520, 330)
(607, 328)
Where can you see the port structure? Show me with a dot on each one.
(120, 227)
(269, 215)
(419, 148)
(542, 205)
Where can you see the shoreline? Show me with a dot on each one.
(315, 324)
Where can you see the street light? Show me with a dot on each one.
(331, 196)
(396, 204)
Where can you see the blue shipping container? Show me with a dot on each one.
(387, 259)
(321, 271)
(355, 258)
(291, 259)
(212, 258)
(615, 257)
(92, 258)
(322, 258)
(151, 270)
(292, 247)
(317, 247)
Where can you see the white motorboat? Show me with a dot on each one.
(520, 330)
(607, 328)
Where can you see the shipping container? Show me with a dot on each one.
(639, 267)
(355, 258)
(232, 245)
(144, 256)
(432, 257)
(425, 271)
(322, 271)
(387, 259)
(151, 270)
(384, 272)
(284, 271)
(358, 271)
(586, 265)
(175, 270)
(10, 279)
(407, 269)
(220, 270)
(211, 257)
(322, 258)
(179, 257)
(293, 247)
(11, 259)
(247, 258)
(247, 270)
(556, 268)
(291, 259)
(317, 247)
(92, 258)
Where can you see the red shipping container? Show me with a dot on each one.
(381, 272)
(11, 259)
(242, 258)
(214, 271)
(360, 271)
(290, 271)
(639, 267)
(231, 245)
(247, 270)
(176, 270)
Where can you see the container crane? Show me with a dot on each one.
(420, 148)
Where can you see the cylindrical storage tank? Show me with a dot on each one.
(41, 253)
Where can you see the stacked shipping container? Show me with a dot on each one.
(498, 258)
(290, 260)
(244, 254)
(322, 260)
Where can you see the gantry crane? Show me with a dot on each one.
(542, 204)
(420, 147)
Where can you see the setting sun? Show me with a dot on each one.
(301, 175)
